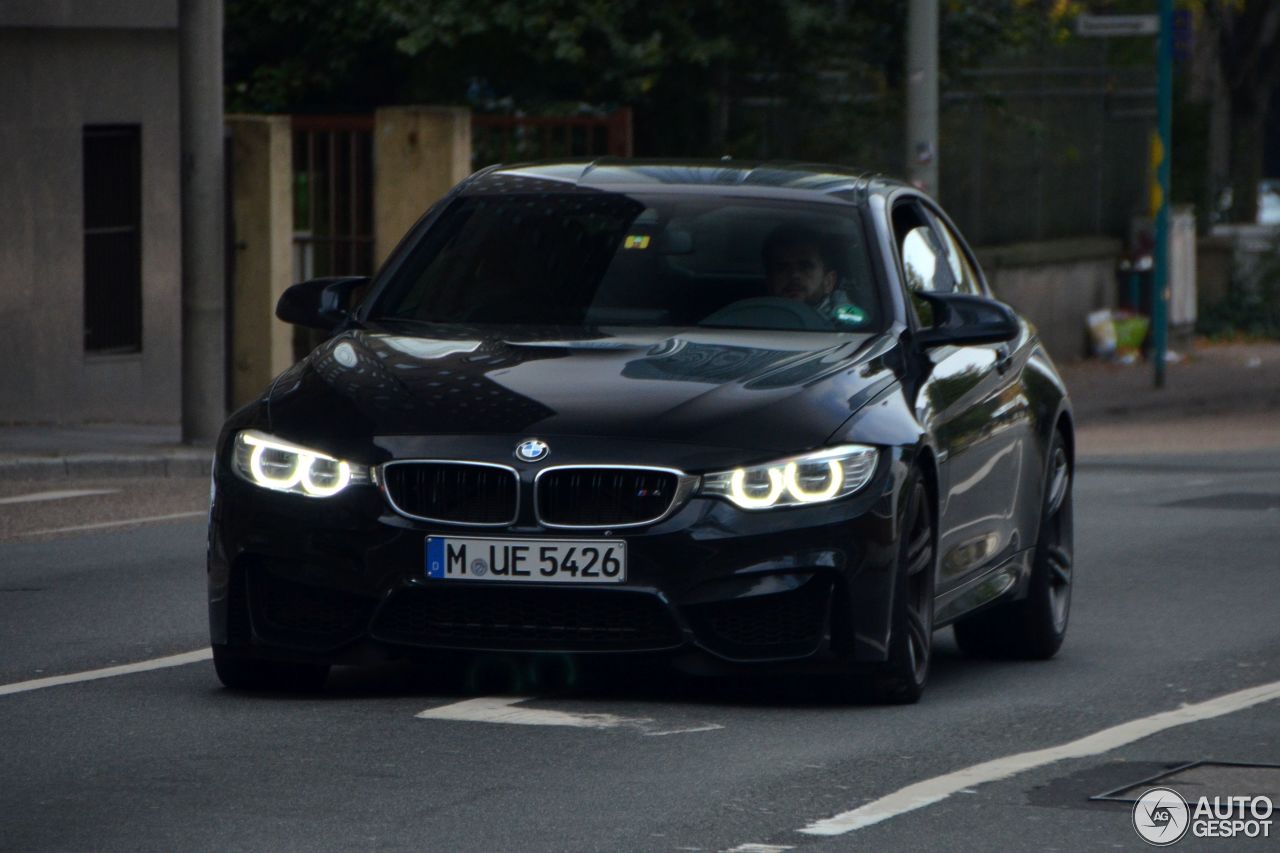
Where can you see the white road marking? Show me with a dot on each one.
(109, 672)
(105, 524)
(502, 709)
(709, 727)
(759, 848)
(935, 790)
(56, 496)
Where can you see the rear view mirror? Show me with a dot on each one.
(321, 303)
(961, 319)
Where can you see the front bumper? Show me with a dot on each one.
(343, 580)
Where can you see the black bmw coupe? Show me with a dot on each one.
(746, 415)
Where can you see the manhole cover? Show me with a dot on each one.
(1231, 500)
(1205, 779)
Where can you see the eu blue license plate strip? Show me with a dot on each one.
(435, 557)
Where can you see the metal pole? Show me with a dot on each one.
(203, 196)
(922, 95)
(1164, 112)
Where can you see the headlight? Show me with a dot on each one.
(826, 475)
(274, 464)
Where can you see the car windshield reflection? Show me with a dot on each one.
(587, 259)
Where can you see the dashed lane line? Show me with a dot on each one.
(107, 672)
(60, 495)
(935, 790)
(484, 709)
(103, 525)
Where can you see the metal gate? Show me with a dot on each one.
(332, 196)
(333, 175)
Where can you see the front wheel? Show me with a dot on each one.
(1034, 628)
(242, 673)
(900, 680)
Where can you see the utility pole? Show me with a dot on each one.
(922, 95)
(203, 196)
(1164, 118)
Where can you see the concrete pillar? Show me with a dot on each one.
(203, 194)
(262, 210)
(419, 153)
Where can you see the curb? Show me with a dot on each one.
(1186, 407)
(105, 466)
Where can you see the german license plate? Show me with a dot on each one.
(527, 560)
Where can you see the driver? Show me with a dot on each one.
(798, 265)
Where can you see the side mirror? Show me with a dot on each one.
(321, 303)
(960, 319)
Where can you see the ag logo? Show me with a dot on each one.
(532, 450)
(1161, 816)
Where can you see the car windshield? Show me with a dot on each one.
(590, 258)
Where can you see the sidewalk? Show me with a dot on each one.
(1221, 396)
(1212, 379)
(32, 452)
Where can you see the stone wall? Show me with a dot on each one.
(1232, 252)
(419, 153)
(1055, 284)
(262, 212)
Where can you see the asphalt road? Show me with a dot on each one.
(1177, 601)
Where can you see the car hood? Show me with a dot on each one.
(754, 389)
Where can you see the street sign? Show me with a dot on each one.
(1108, 26)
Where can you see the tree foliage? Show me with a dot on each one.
(304, 55)
(1247, 41)
(679, 65)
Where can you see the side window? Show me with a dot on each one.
(962, 271)
(924, 265)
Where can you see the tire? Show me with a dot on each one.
(900, 680)
(241, 673)
(1033, 628)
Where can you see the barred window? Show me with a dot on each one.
(112, 238)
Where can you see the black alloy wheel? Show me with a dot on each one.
(1034, 628)
(900, 680)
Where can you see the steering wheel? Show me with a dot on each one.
(768, 312)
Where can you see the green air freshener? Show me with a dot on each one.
(851, 315)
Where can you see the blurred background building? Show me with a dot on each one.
(347, 119)
(90, 226)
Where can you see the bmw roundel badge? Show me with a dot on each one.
(532, 450)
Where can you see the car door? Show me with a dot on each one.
(972, 402)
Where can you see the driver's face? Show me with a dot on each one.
(797, 272)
